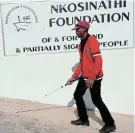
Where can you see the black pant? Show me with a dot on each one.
(96, 98)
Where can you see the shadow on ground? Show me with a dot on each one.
(92, 115)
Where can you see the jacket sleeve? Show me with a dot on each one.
(97, 58)
(77, 71)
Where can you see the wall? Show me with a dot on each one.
(31, 77)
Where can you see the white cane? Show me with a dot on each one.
(17, 111)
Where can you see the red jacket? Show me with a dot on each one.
(90, 66)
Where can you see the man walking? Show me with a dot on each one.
(90, 74)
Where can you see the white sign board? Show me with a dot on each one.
(45, 27)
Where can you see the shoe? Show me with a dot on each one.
(107, 129)
(79, 122)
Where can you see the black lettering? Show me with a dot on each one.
(102, 4)
(18, 50)
(124, 15)
(74, 7)
(95, 18)
(75, 38)
(126, 42)
(44, 40)
(104, 44)
(74, 46)
(54, 8)
(124, 3)
(68, 46)
(98, 36)
(116, 17)
(93, 5)
(46, 48)
(87, 18)
(58, 47)
(116, 42)
(87, 6)
(60, 21)
(76, 19)
(65, 47)
(25, 49)
(35, 49)
(116, 3)
(109, 3)
(80, 6)
(69, 38)
(69, 23)
(108, 17)
(51, 21)
(62, 8)
(110, 44)
(40, 48)
(102, 18)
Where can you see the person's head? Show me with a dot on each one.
(81, 28)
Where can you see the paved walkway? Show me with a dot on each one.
(45, 118)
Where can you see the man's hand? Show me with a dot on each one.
(89, 83)
(70, 81)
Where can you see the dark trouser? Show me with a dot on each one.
(96, 98)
